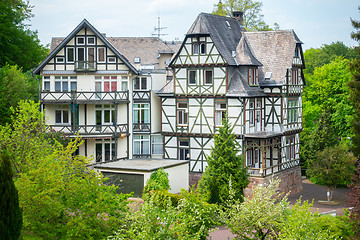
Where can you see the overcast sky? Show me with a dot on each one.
(316, 22)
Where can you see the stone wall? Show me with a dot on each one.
(291, 181)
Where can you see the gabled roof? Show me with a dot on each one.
(83, 24)
(239, 87)
(224, 31)
(244, 55)
(167, 90)
(275, 50)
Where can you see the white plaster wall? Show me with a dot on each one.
(178, 177)
(155, 110)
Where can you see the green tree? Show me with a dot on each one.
(354, 86)
(354, 201)
(318, 57)
(225, 170)
(333, 166)
(18, 45)
(258, 217)
(15, 86)
(10, 213)
(253, 20)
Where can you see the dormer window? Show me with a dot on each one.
(136, 60)
(297, 52)
(253, 77)
(199, 48)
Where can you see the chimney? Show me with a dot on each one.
(238, 15)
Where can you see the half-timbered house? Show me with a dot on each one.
(255, 78)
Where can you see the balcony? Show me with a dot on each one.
(90, 129)
(85, 66)
(84, 97)
(141, 127)
(263, 172)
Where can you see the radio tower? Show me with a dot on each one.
(158, 29)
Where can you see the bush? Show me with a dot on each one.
(158, 181)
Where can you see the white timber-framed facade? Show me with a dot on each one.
(255, 78)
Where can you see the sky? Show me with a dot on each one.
(316, 22)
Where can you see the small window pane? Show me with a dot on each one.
(65, 117)
(65, 86)
(73, 86)
(195, 48)
(91, 40)
(58, 116)
(101, 54)
(192, 77)
(208, 77)
(46, 86)
(143, 83)
(70, 54)
(57, 86)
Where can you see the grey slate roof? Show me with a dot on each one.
(167, 90)
(62, 43)
(275, 50)
(244, 55)
(224, 31)
(238, 87)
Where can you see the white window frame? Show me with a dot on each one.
(111, 59)
(140, 84)
(141, 140)
(99, 55)
(60, 60)
(63, 110)
(106, 111)
(185, 148)
(253, 78)
(46, 82)
(293, 111)
(294, 76)
(182, 114)
(156, 145)
(77, 40)
(68, 81)
(112, 150)
(87, 40)
(124, 82)
(220, 112)
(142, 110)
(67, 54)
(252, 112)
(202, 48)
(195, 48)
(88, 54)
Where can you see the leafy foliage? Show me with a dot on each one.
(224, 163)
(60, 196)
(354, 201)
(300, 223)
(15, 86)
(334, 166)
(158, 181)
(191, 219)
(258, 217)
(252, 18)
(10, 214)
(18, 45)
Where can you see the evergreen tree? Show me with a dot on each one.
(10, 213)
(226, 176)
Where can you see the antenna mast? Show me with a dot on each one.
(158, 30)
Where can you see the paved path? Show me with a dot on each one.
(310, 191)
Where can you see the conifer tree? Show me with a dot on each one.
(10, 212)
(225, 176)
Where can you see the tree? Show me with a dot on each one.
(333, 166)
(225, 168)
(354, 200)
(18, 45)
(252, 18)
(15, 86)
(354, 86)
(258, 217)
(10, 213)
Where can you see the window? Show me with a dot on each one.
(157, 145)
(104, 115)
(62, 114)
(202, 48)
(81, 54)
(101, 54)
(220, 113)
(192, 77)
(182, 113)
(252, 112)
(105, 84)
(253, 157)
(291, 148)
(70, 55)
(91, 40)
(111, 59)
(297, 52)
(91, 54)
(195, 48)
(293, 111)
(294, 76)
(136, 60)
(64, 83)
(124, 83)
(184, 151)
(46, 82)
(80, 40)
(141, 145)
(140, 83)
(104, 151)
(252, 76)
(141, 117)
(208, 77)
(60, 59)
